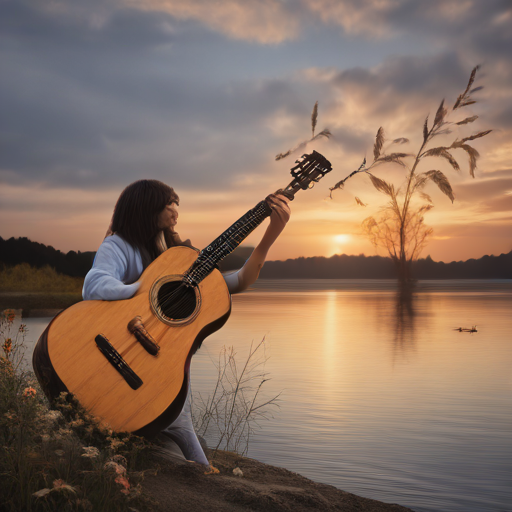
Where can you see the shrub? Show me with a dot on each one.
(60, 458)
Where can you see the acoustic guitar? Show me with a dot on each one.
(128, 361)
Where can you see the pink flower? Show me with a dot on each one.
(60, 485)
(124, 482)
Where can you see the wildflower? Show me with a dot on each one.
(7, 346)
(42, 492)
(112, 466)
(212, 471)
(106, 430)
(115, 443)
(60, 485)
(29, 392)
(45, 438)
(59, 453)
(91, 452)
(65, 432)
(10, 315)
(53, 415)
(22, 328)
(76, 423)
(124, 482)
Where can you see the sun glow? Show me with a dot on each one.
(341, 239)
(337, 243)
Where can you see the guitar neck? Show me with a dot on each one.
(226, 243)
(307, 171)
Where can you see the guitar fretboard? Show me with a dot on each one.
(226, 243)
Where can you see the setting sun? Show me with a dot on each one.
(341, 239)
(338, 244)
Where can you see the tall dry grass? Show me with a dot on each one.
(24, 278)
(230, 416)
(400, 228)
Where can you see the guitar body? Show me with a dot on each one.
(68, 358)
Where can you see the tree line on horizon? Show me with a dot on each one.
(340, 266)
(22, 250)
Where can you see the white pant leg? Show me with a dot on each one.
(182, 432)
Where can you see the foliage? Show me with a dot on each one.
(24, 278)
(22, 250)
(231, 414)
(324, 133)
(60, 458)
(400, 227)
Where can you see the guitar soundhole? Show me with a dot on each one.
(176, 300)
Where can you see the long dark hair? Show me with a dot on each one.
(136, 214)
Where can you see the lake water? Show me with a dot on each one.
(381, 397)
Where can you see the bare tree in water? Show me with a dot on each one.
(400, 228)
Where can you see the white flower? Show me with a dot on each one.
(41, 493)
(237, 472)
(53, 415)
(90, 452)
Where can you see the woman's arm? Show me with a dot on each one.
(116, 263)
(280, 215)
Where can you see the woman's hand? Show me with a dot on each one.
(280, 212)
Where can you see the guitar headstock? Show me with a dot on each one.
(309, 170)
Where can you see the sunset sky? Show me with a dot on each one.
(202, 95)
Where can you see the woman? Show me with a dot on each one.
(142, 227)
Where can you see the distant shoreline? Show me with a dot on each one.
(42, 304)
(15, 251)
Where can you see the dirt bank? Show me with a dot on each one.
(179, 486)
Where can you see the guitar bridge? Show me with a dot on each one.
(136, 327)
(115, 359)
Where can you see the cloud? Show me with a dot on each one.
(492, 192)
(103, 93)
(265, 21)
(371, 18)
(93, 107)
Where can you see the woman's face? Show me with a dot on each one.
(168, 217)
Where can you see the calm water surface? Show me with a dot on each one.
(381, 397)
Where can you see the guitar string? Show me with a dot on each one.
(180, 307)
(221, 248)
